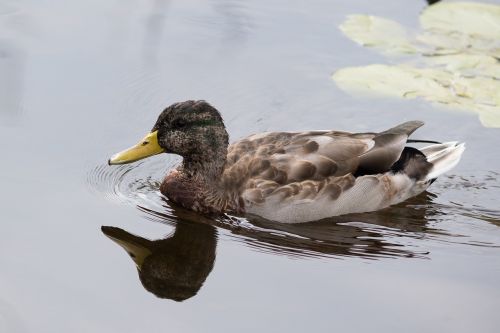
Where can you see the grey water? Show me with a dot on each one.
(81, 80)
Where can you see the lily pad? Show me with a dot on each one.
(457, 58)
(468, 18)
(480, 94)
(468, 65)
(389, 36)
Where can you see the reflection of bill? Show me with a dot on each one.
(11, 81)
(175, 267)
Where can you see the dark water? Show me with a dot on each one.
(81, 80)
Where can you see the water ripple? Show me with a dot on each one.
(128, 183)
(410, 229)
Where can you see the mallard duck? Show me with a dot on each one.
(288, 176)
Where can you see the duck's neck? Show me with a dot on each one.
(197, 185)
(206, 168)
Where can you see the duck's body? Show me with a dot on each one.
(293, 177)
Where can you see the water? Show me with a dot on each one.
(82, 80)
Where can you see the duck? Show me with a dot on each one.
(288, 177)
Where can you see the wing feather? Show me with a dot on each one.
(281, 164)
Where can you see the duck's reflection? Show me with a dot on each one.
(175, 267)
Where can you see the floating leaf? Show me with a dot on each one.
(399, 81)
(480, 94)
(468, 18)
(459, 49)
(379, 32)
(468, 64)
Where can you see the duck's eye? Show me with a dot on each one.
(179, 123)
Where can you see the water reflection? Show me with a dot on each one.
(233, 16)
(175, 267)
(404, 230)
(154, 23)
(12, 59)
(10, 320)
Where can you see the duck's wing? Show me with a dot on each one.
(285, 158)
(279, 174)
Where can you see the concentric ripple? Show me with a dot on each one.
(136, 184)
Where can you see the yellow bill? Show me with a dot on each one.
(146, 147)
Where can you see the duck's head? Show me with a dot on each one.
(192, 129)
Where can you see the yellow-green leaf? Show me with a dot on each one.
(375, 31)
(469, 18)
(457, 53)
(480, 94)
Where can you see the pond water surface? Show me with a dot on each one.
(80, 80)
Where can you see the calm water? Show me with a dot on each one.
(80, 80)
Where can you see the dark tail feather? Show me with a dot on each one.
(422, 141)
(405, 128)
(429, 162)
(413, 163)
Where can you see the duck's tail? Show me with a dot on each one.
(443, 157)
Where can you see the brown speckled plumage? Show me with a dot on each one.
(290, 177)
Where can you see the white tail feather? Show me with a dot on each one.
(444, 157)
